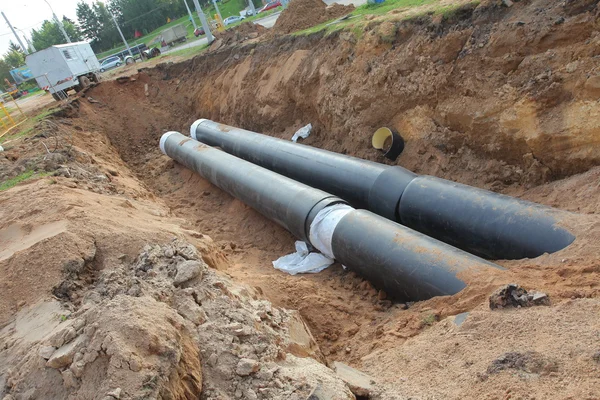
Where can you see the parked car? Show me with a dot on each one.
(110, 62)
(270, 6)
(233, 19)
(199, 31)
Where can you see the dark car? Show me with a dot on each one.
(270, 6)
(199, 31)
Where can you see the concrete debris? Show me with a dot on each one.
(359, 383)
(187, 271)
(46, 352)
(512, 295)
(64, 355)
(246, 367)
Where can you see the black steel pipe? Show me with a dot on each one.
(484, 223)
(407, 264)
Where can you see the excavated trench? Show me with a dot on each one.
(480, 98)
(477, 99)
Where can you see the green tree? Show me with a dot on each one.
(14, 47)
(14, 59)
(89, 22)
(49, 34)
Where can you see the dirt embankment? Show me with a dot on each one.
(302, 14)
(501, 98)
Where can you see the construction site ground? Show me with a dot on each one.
(124, 275)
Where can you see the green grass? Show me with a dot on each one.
(356, 21)
(188, 52)
(389, 5)
(7, 184)
(30, 125)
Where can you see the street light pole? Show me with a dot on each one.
(15, 33)
(209, 35)
(60, 24)
(191, 15)
(122, 37)
(29, 43)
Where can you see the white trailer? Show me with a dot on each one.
(174, 34)
(63, 67)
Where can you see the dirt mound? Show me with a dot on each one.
(240, 34)
(163, 326)
(302, 14)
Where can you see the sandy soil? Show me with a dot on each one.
(480, 98)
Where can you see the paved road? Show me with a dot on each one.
(267, 22)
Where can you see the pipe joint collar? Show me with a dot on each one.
(163, 140)
(323, 226)
(195, 126)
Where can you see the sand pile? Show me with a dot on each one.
(302, 14)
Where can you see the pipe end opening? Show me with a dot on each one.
(389, 142)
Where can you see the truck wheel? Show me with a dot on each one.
(94, 78)
(84, 82)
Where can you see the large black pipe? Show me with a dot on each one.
(405, 263)
(484, 223)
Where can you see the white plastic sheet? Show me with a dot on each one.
(302, 261)
(303, 133)
(323, 226)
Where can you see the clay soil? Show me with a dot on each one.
(502, 98)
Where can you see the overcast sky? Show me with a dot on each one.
(28, 14)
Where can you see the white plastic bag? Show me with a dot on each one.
(302, 261)
(303, 133)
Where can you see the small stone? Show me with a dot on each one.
(213, 359)
(69, 379)
(559, 21)
(507, 3)
(187, 271)
(113, 172)
(115, 393)
(570, 68)
(65, 335)
(77, 368)
(169, 252)
(78, 324)
(189, 309)
(46, 352)
(381, 295)
(64, 355)
(358, 382)
(247, 366)
(251, 395)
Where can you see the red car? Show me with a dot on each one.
(270, 6)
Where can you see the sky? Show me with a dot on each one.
(28, 14)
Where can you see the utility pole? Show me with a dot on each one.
(29, 43)
(15, 33)
(252, 7)
(218, 12)
(209, 35)
(122, 37)
(191, 15)
(60, 24)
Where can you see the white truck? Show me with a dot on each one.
(63, 67)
